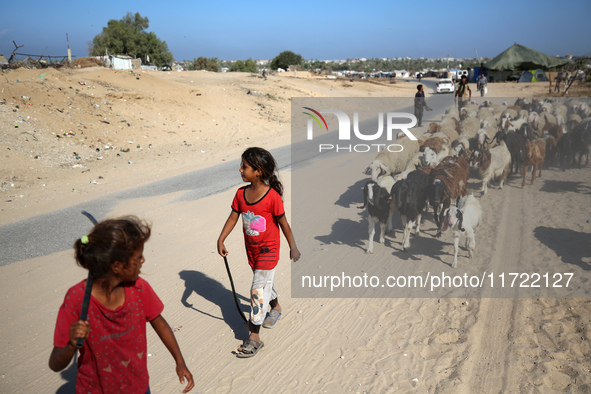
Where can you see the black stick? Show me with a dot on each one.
(87, 290)
(234, 291)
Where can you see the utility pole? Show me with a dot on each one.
(69, 51)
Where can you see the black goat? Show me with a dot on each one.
(410, 199)
(439, 196)
(515, 142)
(580, 141)
(376, 197)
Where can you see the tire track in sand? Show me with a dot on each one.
(489, 357)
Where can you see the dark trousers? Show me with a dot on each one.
(419, 116)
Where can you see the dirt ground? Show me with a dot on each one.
(69, 136)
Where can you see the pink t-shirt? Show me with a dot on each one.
(114, 356)
(261, 231)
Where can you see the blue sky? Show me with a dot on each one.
(315, 29)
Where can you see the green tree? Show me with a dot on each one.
(238, 65)
(203, 63)
(248, 65)
(286, 59)
(129, 36)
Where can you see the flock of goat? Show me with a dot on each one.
(496, 139)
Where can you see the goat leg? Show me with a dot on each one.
(372, 231)
(456, 247)
(418, 230)
(442, 213)
(472, 244)
(435, 216)
(382, 232)
(390, 226)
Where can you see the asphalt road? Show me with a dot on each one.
(56, 231)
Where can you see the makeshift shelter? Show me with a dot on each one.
(122, 62)
(533, 76)
(518, 57)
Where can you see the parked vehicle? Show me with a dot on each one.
(446, 85)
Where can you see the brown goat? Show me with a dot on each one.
(448, 181)
(454, 172)
(434, 127)
(435, 143)
(554, 130)
(535, 152)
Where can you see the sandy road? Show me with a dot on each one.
(489, 356)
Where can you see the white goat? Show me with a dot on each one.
(464, 220)
(470, 127)
(483, 137)
(387, 162)
(492, 164)
(415, 162)
(431, 158)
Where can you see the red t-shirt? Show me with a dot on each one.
(261, 231)
(114, 356)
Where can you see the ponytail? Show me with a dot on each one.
(276, 184)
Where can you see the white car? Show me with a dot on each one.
(446, 85)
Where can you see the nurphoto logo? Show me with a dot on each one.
(391, 119)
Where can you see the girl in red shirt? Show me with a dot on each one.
(113, 358)
(261, 207)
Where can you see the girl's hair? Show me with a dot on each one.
(260, 159)
(110, 241)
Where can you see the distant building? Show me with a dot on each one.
(117, 62)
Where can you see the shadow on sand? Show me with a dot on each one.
(571, 246)
(347, 232)
(425, 245)
(353, 194)
(552, 186)
(213, 291)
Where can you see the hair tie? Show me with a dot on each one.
(84, 240)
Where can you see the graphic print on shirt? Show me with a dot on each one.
(253, 224)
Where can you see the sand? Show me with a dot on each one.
(190, 120)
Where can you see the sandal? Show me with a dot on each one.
(249, 348)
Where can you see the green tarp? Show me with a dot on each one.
(518, 57)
